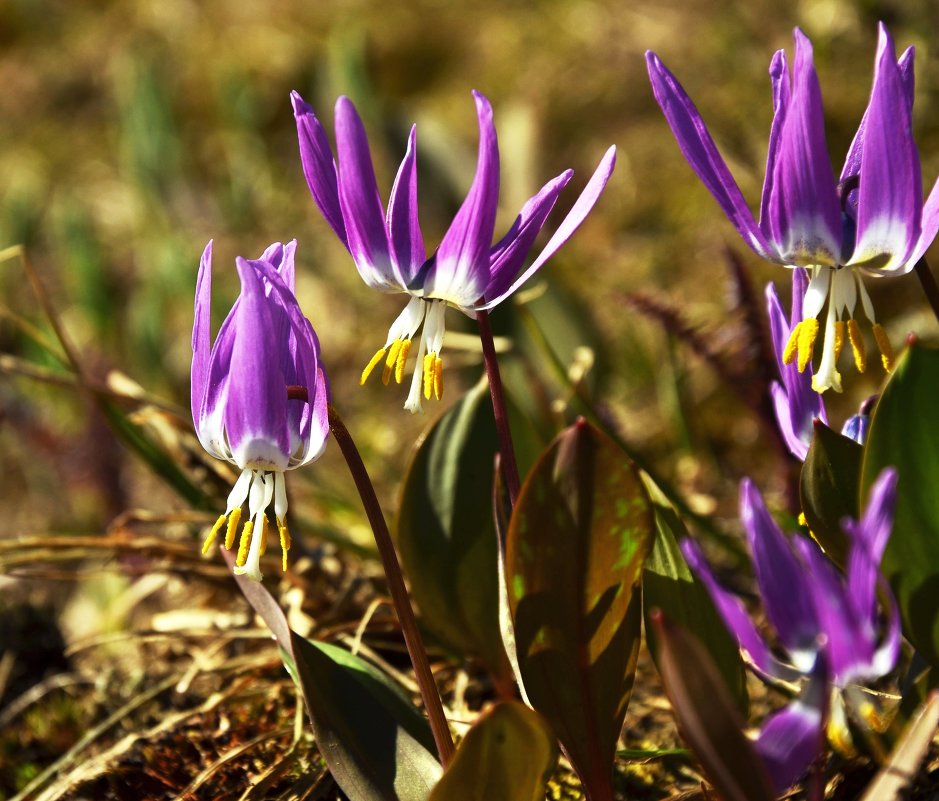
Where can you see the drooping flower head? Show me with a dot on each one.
(828, 624)
(872, 220)
(467, 271)
(240, 404)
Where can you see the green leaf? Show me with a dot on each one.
(707, 715)
(828, 488)
(509, 755)
(668, 584)
(446, 535)
(904, 433)
(377, 745)
(578, 536)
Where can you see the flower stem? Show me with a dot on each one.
(499, 408)
(928, 281)
(399, 593)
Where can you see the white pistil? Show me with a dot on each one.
(259, 498)
(828, 376)
(413, 403)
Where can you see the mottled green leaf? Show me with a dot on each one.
(829, 488)
(904, 433)
(577, 540)
(508, 755)
(446, 534)
(707, 715)
(668, 584)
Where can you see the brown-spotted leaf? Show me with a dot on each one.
(508, 754)
(577, 540)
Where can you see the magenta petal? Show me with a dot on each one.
(256, 402)
(791, 738)
(360, 201)
(779, 78)
(803, 212)
(699, 150)
(319, 168)
(735, 617)
(578, 213)
(781, 577)
(460, 270)
(890, 196)
(201, 334)
(507, 257)
(403, 225)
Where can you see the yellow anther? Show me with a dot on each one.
(244, 544)
(792, 345)
(886, 352)
(284, 541)
(428, 377)
(857, 346)
(372, 365)
(802, 520)
(233, 520)
(438, 378)
(213, 534)
(840, 738)
(808, 331)
(402, 360)
(263, 535)
(839, 338)
(391, 361)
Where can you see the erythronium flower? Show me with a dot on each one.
(872, 220)
(467, 271)
(828, 624)
(240, 403)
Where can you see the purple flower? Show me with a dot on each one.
(872, 220)
(240, 403)
(467, 271)
(828, 624)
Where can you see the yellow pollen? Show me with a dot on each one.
(792, 345)
(244, 544)
(263, 535)
(857, 346)
(840, 739)
(402, 359)
(371, 365)
(808, 331)
(233, 520)
(839, 338)
(428, 377)
(802, 520)
(438, 378)
(284, 541)
(390, 362)
(886, 352)
(212, 534)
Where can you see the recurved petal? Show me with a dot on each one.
(361, 204)
(792, 737)
(735, 617)
(803, 211)
(779, 78)
(890, 195)
(796, 436)
(507, 257)
(778, 325)
(319, 168)
(578, 213)
(699, 150)
(929, 229)
(256, 403)
(781, 577)
(460, 270)
(407, 242)
(201, 334)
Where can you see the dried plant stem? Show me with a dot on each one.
(928, 282)
(399, 593)
(499, 408)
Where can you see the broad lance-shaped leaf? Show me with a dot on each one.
(377, 745)
(828, 488)
(668, 584)
(508, 755)
(707, 716)
(577, 540)
(904, 433)
(446, 535)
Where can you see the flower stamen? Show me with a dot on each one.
(233, 520)
(808, 333)
(839, 338)
(402, 360)
(213, 533)
(857, 345)
(438, 378)
(391, 362)
(244, 544)
(886, 350)
(373, 363)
